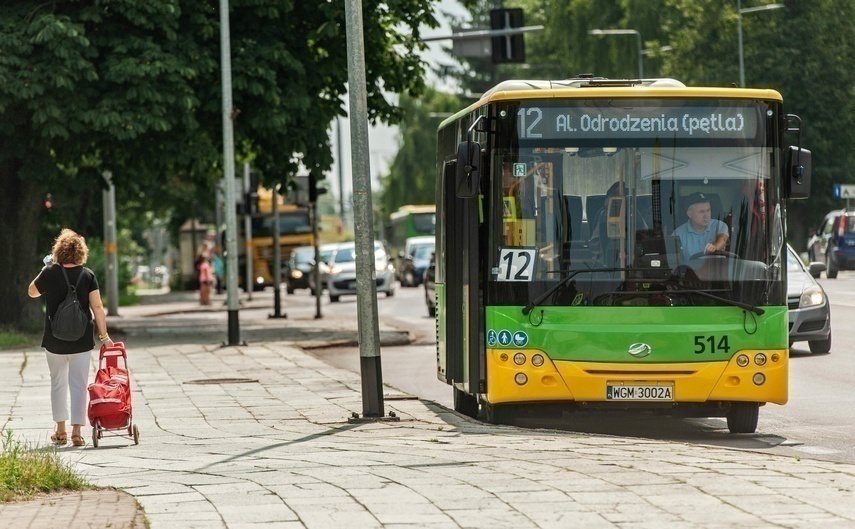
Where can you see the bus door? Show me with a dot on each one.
(464, 313)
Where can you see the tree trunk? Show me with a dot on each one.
(20, 216)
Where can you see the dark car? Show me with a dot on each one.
(834, 242)
(429, 280)
(299, 267)
(810, 313)
(414, 265)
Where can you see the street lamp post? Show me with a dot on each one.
(739, 13)
(635, 32)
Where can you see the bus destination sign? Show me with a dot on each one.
(690, 122)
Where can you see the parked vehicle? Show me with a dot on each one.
(430, 286)
(810, 312)
(341, 277)
(415, 261)
(834, 242)
(299, 267)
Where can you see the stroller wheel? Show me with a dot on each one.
(95, 436)
(136, 435)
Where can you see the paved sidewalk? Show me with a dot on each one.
(276, 450)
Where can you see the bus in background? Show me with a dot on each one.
(408, 222)
(295, 230)
(616, 244)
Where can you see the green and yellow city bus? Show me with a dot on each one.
(405, 223)
(616, 244)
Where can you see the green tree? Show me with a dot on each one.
(803, 50)
(412, 174)
(134, 87)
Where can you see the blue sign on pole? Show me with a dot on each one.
(836, 190)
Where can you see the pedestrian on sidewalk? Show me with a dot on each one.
(68, 361)
(206, 280)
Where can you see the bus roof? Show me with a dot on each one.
(597, 88)
(410, 209)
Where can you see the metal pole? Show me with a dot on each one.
(363, 222)
(640, 63)
(739, 31)
(277, 258)
(247, 230)
(340, 163)
(229, 176)
(111, 260)
(316, 271)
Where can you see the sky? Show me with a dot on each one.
(383, 140)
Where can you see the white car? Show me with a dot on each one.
(341, 276)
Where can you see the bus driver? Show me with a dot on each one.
(701, 234)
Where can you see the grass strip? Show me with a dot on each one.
(27, 470)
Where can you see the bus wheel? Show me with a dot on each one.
(742, 417)
(465, 403)
(494, 414)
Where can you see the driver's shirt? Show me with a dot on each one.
(694, 242)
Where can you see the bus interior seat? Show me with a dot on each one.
(645, 204)
(574, 214)
(593, 205)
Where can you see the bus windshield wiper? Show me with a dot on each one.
(753, 308)
(532, 304)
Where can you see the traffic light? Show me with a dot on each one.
(510, 48)
(315, 189)
(48, 202)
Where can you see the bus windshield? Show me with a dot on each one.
(424, 223)
(290, 223)
(643, 204)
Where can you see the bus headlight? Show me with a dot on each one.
(759, 378)
(742, 360)
(296, 274)
(520, 378)
(537, 360)
(811, 297)
(519, 359)
(259, 280)
(760, 359)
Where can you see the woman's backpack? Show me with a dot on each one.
(69, 322)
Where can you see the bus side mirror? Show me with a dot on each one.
(468, 171)
(798, 173)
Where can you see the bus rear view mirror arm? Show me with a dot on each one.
(468, 173)
(797, 174)
(468, 170)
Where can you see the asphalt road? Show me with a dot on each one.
(817, 422)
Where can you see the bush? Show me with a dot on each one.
(11, 337)
(26, 470)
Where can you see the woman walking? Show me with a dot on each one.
(68, 361)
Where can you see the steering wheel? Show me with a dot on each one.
(719, 253)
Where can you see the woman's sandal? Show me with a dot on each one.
(59, 439)
(78, 440)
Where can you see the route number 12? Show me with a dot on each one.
(516, 264)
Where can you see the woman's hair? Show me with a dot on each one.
(70, 248)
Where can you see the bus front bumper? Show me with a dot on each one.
(690, 382)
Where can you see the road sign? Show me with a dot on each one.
(844, 191)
